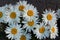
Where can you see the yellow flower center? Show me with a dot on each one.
(31, 23)
(21, 8)
(13, 15)
(49, 17)
(30, 13)
(23, 37)
(1, 14)
(53, 29)
(42, 30)
(14, 31)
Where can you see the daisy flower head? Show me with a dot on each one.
(7, 7)
(53, 31)
(21, 5)
(13, 31)
(30, 24)
(58, 13)
(30, 12)
(49, 16)
(12, 16)
(24, 36)
(41, 31)
(2, 14)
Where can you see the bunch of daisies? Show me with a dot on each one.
(12, 15)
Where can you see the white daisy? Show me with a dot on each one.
(30, 12)
(53, 31)
(13, 31)
(49, 16)
(12, 16)
(41, 31)
(7, 7)
(58, 13)
(30, 24)
(21, 5)
(24, 36)
(2, 14)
